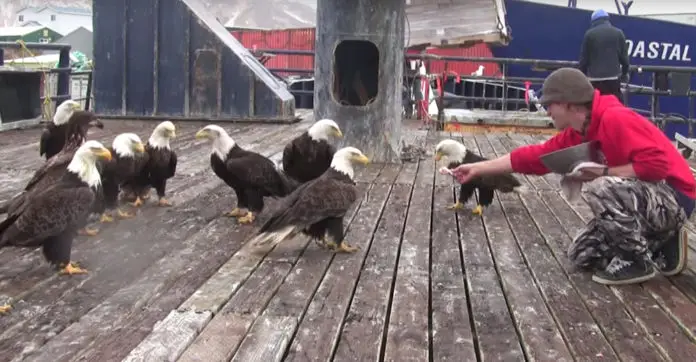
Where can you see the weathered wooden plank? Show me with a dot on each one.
(319, 329)
(114, 346)
(574, 320)
(535, 324)
(495, 329)
(229, 326)
(124, 301)
(365, 322)
(627, 338)
(407, 337)
(653, 320)
(33, 271)
(236, 316)
(304, 300)
(453, 337)
(178, 329)
(584, 337)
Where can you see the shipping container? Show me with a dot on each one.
(303, 39)
(293, 39)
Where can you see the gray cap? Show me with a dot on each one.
(567, 85)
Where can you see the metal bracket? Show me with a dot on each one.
(690, 147)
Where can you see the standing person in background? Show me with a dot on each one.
(604, 55)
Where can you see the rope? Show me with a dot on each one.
(46, 109)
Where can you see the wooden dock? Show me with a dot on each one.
(179, 284)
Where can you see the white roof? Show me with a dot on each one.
(19, 30)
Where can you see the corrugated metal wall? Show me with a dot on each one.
(303, 39)
(294, 39)
(174, 59)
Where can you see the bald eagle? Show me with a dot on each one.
(317, 208)
(251, 175)
(160, 166)
(50, 218)
(55, 134)
(129, 158)
(54, 168)
(457, 154)
(309, 155)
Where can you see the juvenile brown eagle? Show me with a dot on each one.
(251, 175)
(317, 208)
(457, 154)
(309, 155)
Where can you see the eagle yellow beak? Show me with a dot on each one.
(76, 107)
(438, 156)
(139, 147)
(201, 134)
(103, 153)
(362, 159)
(338, 133)
(172, 134)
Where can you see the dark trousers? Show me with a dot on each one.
(611, 86)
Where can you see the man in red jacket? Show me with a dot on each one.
(640, 199)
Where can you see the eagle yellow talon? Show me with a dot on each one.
(343, 247)
(164, 202)
(72, 269)
(138, 202)
(246, 219)
(88, 232)
(478, 210)
(105, 217)
(124, 214)
(5, 309)
(236, 212)
(456, 206)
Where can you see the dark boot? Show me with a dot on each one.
(671, 258)
(624, 271)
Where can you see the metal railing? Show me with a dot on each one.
(58, 83)
(658, 81)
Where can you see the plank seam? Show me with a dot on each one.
(553, 315)
(390, 297)
(500, 278)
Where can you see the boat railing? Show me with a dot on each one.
(495, 92)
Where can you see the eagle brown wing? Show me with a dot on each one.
(51, 170)
(253, 170)
(312, 202)
(48, 213)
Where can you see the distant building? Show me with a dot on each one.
(29, 34)
(79, 39)
(62, 19)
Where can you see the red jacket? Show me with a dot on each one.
(623, 136)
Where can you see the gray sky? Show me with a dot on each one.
(639, 7)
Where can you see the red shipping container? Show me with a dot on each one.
(289, 39)
(303, 39)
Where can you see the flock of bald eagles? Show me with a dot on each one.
(81, 178)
